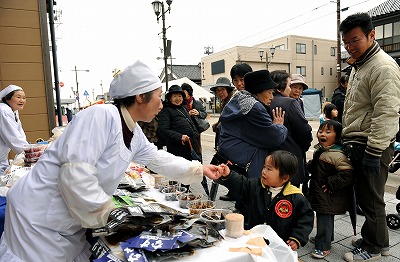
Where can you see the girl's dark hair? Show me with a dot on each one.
(362, 20)
(344, 79)
(130, 100)
(328, 110)
(240, 70)
(337, 127)
(188, 88)
(280, 77)
(285, 161)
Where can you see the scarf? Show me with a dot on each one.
(189, 103)
(370, 52)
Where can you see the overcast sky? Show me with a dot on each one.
(101, 36)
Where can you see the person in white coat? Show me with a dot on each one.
(70, 187)
(12, 136)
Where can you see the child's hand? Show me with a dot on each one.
(326, 189)
(292, 244)
(225, 170)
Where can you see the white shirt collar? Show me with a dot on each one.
(128, 119)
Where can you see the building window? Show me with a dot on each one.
(331, 71)
(281, 47)
(322, 71)
(301, 70)
(396, 28)
(387, 30)
(218, 67)
(333, 51)
(379, 32)
(300, 48)
(315, 49)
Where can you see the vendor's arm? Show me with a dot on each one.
(180, 169)
(83, 195)
(78, 180)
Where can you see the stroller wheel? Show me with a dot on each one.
(398, 208)
(393, 221)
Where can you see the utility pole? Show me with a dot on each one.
(339, 51)
(77, 85)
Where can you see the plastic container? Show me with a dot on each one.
(216, 217)
(33, 152)
(184, 198)
(169, 193)
(198, 206)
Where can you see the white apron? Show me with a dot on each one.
(70, 187)
(12, 136)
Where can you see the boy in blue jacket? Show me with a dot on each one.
(272, 200)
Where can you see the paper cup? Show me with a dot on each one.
(234, 225)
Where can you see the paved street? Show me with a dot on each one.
(343, 228)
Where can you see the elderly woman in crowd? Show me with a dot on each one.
(70, 187)
(224, 91)
(248, 132)
(299, 136)
(12, 136)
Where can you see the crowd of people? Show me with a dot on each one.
(261, 140)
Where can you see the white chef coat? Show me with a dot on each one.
(70, 187)
(12, 136)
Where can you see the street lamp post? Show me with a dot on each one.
(77, 85)
(160, 11)
(267, 58)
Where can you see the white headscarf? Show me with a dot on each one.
(8, 90)
(136, 79)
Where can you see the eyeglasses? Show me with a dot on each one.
(353, 42)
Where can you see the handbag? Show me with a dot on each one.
(193, 153)
(201, 124)
(242, 170)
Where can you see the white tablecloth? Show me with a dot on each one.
(276, 249)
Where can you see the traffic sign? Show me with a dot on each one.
(61, 84)
(86, 93)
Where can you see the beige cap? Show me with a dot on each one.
(298, 79)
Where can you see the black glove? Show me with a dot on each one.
(371, 165)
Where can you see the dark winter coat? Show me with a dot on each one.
(338, 98)
(199, 107)
(331, 168)
(245, 126)
(289, 213)
(173, 122)
(299, 136)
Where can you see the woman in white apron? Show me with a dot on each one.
(12, 136)
(70, 187)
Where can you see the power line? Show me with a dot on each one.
(296, 26)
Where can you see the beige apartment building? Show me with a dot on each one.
(314, 58)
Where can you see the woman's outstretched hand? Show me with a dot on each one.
(278, 115)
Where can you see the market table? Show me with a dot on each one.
(277, 248)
